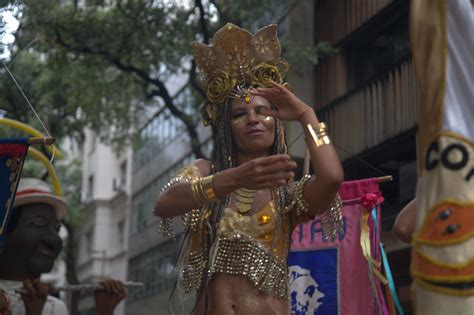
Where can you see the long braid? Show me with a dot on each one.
(280, 193)
(223, 149)
(223, 155)
(222, 158)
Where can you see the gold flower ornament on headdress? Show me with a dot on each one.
(237, 58)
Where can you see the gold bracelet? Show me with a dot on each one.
(320, 137)
(202, 190)
(320, 127)
(208, 189)
(195, 189)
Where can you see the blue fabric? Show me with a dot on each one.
(319, 277)
(23, 141)
(391, 284)
(388, 272)
(11, 165)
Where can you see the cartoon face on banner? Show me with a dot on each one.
(304, 291)
(313, 290)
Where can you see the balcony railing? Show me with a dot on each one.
(335, 19)
(376, 112)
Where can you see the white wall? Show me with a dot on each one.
(103, 246)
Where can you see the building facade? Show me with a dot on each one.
(367, 93)
(103, 236)
(152, 257)
(164, 148)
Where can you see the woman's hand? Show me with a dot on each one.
(260, 173)
(288, 106)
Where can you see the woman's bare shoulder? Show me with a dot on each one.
(204, 166)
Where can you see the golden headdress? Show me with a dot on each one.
(237, 58)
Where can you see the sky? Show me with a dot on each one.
(10, 27)
(8, 16)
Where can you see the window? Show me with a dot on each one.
(155, 268)
(93, 143)
(162, 129)
(90, 188)
(89, 239)
(123, 172)
(121, 234)
(369, 58)
(122, 177)
(144, 201)
(141, 216)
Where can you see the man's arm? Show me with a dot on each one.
(404, 226)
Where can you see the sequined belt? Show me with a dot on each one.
(240, 256)
(193, 270)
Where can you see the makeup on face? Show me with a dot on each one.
(240, 115)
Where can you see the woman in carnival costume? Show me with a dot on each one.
(240, 208)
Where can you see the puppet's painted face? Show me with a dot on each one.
(252, 131)
(443, 244)
(34, 244)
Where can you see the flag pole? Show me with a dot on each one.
(384, 179)
(42, 140)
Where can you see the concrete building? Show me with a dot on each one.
(103, 240)
(164, 149)
(367, 93)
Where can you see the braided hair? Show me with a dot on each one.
(224, 158)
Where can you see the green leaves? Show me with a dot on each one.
(296, 52)
(105, 67)
(92, 66)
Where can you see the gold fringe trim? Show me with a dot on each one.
(442, 290)
(442, 264)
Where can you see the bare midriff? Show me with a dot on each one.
(236, 295)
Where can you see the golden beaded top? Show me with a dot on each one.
(254, 244)
(237, 58)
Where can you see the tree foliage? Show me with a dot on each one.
(95, 67)
(106, 67)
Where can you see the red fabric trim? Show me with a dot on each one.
(32, 191)
(13, 149)
(357, 188)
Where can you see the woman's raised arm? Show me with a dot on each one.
(261, 173)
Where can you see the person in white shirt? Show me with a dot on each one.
(32, 244)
